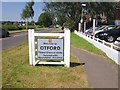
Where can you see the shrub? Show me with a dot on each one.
(21, 27)
(70, 25)
(10, 26)
(31, 27)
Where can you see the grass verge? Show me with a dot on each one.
(58, 30)
(16, 31)
(24, 30)
(17, 73)
(81, 43)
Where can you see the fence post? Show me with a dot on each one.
(67, 47)
(30, 46)
(93, 27)
(111, 45)
(79, 27)
(84, 27)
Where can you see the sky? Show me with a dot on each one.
(11, 10)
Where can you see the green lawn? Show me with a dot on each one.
(81, 43)
(17, 31)
(57, 30)
(17, 73)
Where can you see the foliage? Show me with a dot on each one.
(45, 19)
(97, 8)
(28, 12)
(31, 27)
(8, 26)
(32, 23)
(13, 27)
(71, 12)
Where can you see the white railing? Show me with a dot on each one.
(108, 48)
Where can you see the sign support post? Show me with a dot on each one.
(33, 46)
(67, 48)
(30, 46)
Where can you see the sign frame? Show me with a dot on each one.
(32, 50)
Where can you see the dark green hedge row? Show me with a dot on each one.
(15, 27)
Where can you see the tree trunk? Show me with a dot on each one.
(26, 24)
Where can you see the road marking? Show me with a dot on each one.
(19, 35)
(12, 36)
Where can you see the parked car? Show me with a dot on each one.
(99, 29)
(51, 26)
(56, 26)
(104, 28)
(109, 35)
(90, 30)
(4, 33)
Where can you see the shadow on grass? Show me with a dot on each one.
(48, 65)
(74, 64)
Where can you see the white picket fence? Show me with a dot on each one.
(32, 50)
(108, 48)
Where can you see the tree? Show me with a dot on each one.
(97, 8)
(61, 20)
(67, 13)
(45, 19)
(72, 11)
(28, 12)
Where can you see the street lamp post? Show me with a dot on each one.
(84, 11)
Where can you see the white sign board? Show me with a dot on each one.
(50, 49)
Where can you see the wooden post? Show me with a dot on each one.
(33, 46)
(30, 46)
(67, 48)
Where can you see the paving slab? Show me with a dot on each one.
(101, 73)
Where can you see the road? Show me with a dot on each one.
(18, 38)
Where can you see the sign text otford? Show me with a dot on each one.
(50, 49)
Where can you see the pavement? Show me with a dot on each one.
(101, 73)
